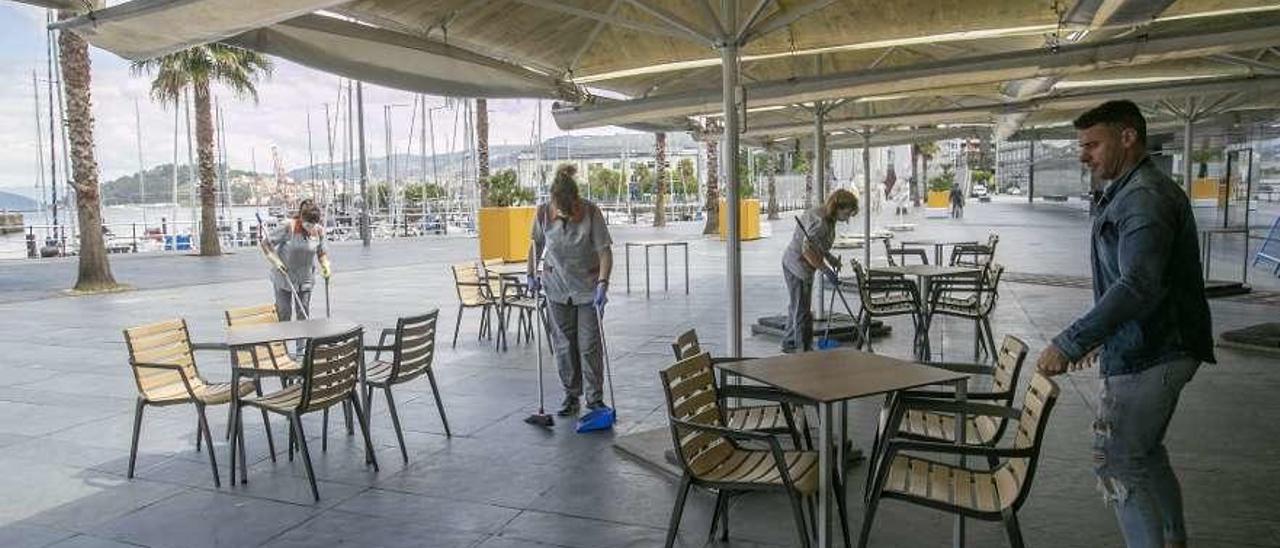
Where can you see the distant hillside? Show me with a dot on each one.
(159, 186)
(16, 202)
(411, 165)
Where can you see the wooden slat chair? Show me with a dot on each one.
(993, 494)
(776, 417)
(883, 297)
(330, 375)
(272, 356)
(711, 456)
(473, 292)
(413, 350)
(908, 422)
(971, 298)
(164, 366)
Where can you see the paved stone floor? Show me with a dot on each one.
(66, 397)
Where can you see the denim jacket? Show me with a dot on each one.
(1149, 302)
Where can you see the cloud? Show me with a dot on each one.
(278, 119)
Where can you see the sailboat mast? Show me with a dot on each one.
(35, 92)
(53, 148)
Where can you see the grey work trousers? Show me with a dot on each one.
(799, 335)
(575, 339)
(1130, 459)
(285, 306)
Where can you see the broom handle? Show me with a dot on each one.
(604, 351)
(538, 303)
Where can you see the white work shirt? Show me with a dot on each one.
(571, 251)
(297, 245)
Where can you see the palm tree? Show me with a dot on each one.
(713, 186)
(925, 151)
(198, 67)
(660, 158)
(770, 173)
(482, 148)
(94, 273)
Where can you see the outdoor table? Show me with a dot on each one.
(856, 241)
(937, 246)
(260, 334)
(664, 244)
(925, 273)
(837, 376)
(507, 270)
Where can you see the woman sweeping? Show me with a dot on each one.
(570, 236)
(295, 247)
(804, 257)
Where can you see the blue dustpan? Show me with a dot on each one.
(827, 344)
(598, 419)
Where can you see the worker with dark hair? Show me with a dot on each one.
(805, 256)
(298, 246)
(1149, 329)
(572, 240)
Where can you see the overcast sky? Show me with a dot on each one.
(279, 119)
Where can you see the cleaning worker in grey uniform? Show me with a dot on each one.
(802, 259)
(298, 243)
(570, 236)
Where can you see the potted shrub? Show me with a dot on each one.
(940, 190)
(505, 221)
(748, 211)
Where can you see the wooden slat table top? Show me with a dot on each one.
(927, 270)
(839, 375)
(286, 331)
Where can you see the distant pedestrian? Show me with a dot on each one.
(1149, 328)
(957, 202)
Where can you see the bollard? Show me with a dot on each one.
(32, 252)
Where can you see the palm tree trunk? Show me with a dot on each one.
(808, 180)
(712, 225)
(209, 245)
(771, 172)
(660, 158)
(94, 272)
(482, 148)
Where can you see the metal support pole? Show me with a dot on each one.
(1188, 166)
(866, 198)
(820, 151)
(729, 168)
(364, 167)
(1031, 170)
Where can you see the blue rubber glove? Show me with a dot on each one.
(602, 295)
(831, 276)
(534, 283)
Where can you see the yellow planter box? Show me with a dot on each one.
(1204, 189)
(749, 211)
(938, 199)
(504, 232)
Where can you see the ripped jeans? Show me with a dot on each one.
(1130, 459)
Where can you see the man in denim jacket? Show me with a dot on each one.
(1149, 328)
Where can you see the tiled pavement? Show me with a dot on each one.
(66, 409)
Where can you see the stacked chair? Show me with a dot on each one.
(731, 461)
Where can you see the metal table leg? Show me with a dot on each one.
(962, 395)
(665, 285)
(686, 267)
(646, 271)
(824, 475)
